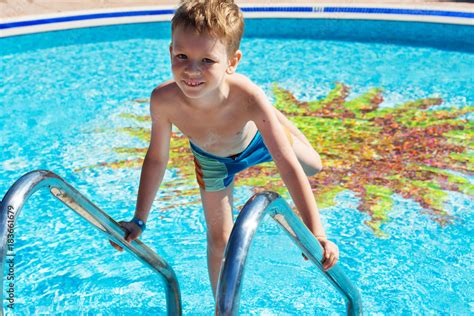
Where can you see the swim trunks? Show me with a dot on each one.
(215, 173)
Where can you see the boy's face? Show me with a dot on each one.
(199, 62)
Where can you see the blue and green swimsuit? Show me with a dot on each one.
(215, 173)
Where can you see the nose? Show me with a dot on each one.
(192, 68)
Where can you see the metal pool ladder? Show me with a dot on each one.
(29, 183)
(232, 270)
(230, 278)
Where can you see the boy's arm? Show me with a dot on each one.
(156, 159)
(153, 169)
(285, 159)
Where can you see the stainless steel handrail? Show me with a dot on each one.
(232, 270)
(29, 183)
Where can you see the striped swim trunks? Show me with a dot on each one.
(215, 173)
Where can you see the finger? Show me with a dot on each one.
(326, 264)
(327, 252)
(323, 260)
(336, 259)
(325, 257)
(116, 246)
(327, 260)
(132, 236)
(333, 261)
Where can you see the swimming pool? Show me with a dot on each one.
(74, 102)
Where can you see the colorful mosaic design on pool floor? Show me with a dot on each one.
(375, 152)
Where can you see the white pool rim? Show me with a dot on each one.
(126, 15)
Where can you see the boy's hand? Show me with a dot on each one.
(132, 233)
(330, 255)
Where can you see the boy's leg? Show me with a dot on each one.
(307, 156)
(219, 221)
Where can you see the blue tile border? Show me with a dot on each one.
(387, 11)
(454, 14)
(85, 17)
(277, 9)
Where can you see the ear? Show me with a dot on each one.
(234, 62)
(171, 49)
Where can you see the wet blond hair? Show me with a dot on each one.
(221, 19)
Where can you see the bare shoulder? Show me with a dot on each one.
(164, 93)
(164, 98)
(255, 98)
(248, 89)
(243, 84)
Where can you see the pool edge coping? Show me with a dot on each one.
(142, 14)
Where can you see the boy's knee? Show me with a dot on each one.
(217, 242)
(315, 167)
(313, 170)
(319, 165)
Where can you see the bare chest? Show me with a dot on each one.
(223, 133)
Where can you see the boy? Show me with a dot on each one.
(230, 125)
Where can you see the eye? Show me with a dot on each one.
(181, 56)
(208, 61)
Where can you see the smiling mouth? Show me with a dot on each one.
(192, 83)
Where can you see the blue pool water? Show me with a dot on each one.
(63, 95)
